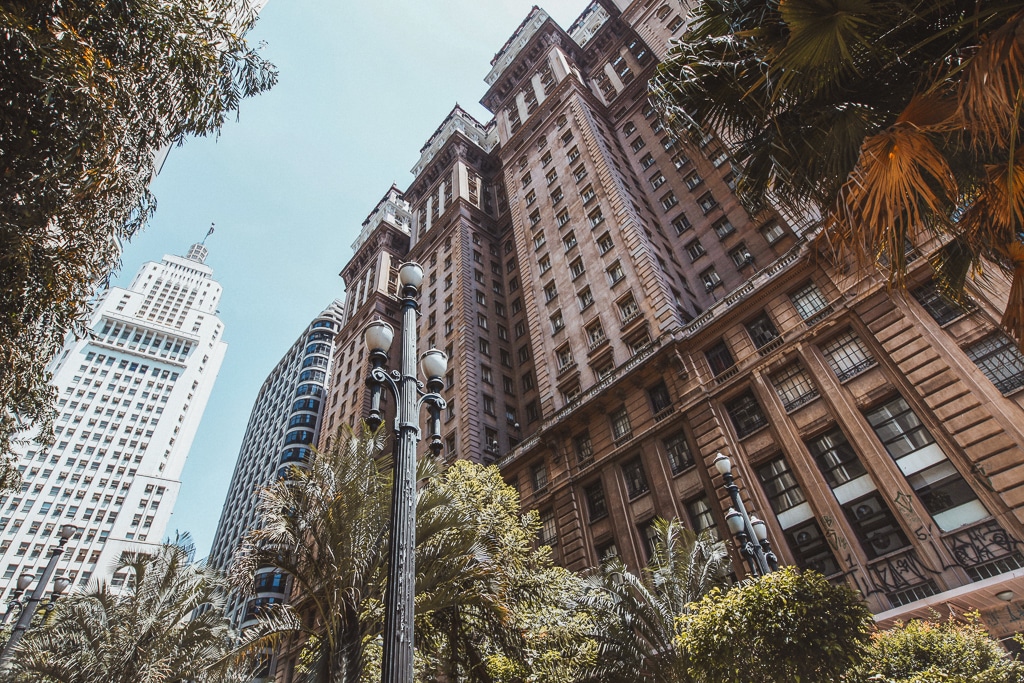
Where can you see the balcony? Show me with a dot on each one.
(566, 367)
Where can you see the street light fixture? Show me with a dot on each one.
(28, 610)
(397, 664)
(751, 532)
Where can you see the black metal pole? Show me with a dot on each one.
(749, 544)
(397, 664)
(29, 610)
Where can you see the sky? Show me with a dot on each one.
(362, 86)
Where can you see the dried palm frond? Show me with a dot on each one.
(991, 89)
(1013, 317)
(901, 184)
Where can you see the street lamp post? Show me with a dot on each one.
(397, 664)
(751, 532)
(28, 610)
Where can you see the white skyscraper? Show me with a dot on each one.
(129, 398)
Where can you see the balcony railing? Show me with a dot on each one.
(984, 550)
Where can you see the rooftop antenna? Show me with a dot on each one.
(208, 232)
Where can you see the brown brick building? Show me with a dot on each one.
(615, 319)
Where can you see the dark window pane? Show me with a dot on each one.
(810, 549)
(835, 457)
(746, 415)
(780, 485)
(875, 525)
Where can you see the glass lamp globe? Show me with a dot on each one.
(433, 363)
(411, 274)
(735, 521)
(379, 335)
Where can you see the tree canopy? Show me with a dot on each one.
(92, 91)
(894, 121)
(957, 650)
(785, 626)
(167, 625)
(490, 606)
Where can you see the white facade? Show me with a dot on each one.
(129, 399)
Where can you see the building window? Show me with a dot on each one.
(527, 381)
(615, 273)
(678, 450)
(681, 224)
(539, 476)
(587, 194)
(898, 428)
(557, 195)
(809, 301)
(646, 162)
(579, 173)
(604, 243)
(576, 268)
(780, 485)
(596, 217)
(741, 256)
(550, 291)
(669, 201)
(585, 298)
(847, 356)
(948, 498)
(524, 354)
(583, 447)
(572, 155)
(569, 240)
(596, 504)
(628, 309)
(695, 250)
(636, 480)
(707, 203)
(939, 307)
(999, 358)
(657, 180)
(659, 396)
(772, 232)
(562, 218)
(710, 278)
(621, 428)
(836, 458)
(701, 517)
(810, 548)
(557, 322)
(762, 331)
(544, 264)
(875, 526)
(489, 404)
(746, 414)
(485, 346)
(539, 240)
(719, 358)
(794, 387)
(548, 528)
(595, 333)
(692, 180)
(564, 356)
(649, 535)
(637, 144)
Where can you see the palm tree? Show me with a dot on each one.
(326, 527)
(167, 625)
(894, 121)
(636, 615)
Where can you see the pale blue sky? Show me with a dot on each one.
(362, 86)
